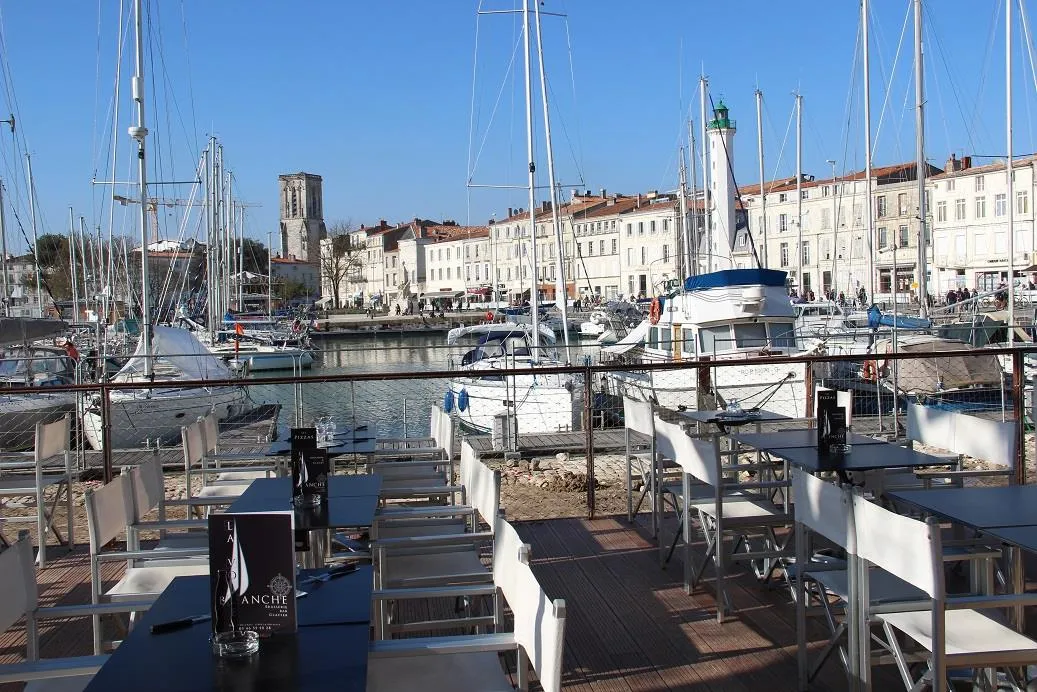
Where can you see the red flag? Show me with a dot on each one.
(238, 329)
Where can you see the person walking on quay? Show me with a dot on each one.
(862, 298)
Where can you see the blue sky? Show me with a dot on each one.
(376, 96)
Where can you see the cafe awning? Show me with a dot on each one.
(441, 294)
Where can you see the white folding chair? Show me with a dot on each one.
(951, 629)
(52, 440)
(639, 439)
(723, 506)
(427, 478)
(232, 467)
(472, 662)
(21, 599)
(192, 438)
(147, 483)
(109, 510)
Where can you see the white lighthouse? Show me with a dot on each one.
(722, 187)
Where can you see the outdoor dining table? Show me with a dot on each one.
(870, 455)
(725, 420)
(362, 443)
(329, 651)
(979, 508)
(800, 437)
(351, 505)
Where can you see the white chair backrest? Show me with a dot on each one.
(898, 544)
(824, 508)
(468, 461)
(209, 428)
(194, 445)
(149, 487)
(698, 457)
(444, 432)
(433, 426)
(961, 433)
(483, 491)
(17, 582)
(108, 510)
(844, 399)
(638, 416)
(52, 438)
(539, 622)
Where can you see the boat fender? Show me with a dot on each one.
(448, 401)
(462, 400)
(489, 316)
(655, 311)
(869, 370)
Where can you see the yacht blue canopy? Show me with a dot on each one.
(735, 277)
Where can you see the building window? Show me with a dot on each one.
(590, 248)
(941, 211)
(981, 207)
(615, 246)
(804, 194)
(601, 247)
(959, 209)
(950, 185)
(630, 255)
(784, 253)
(883, 238)
(1000, 204)
(640, 227)
(826, 219)
(980, 183)
(666, 224)
(881, 206)
(902, 204)
(806, 252)
(1022, 202)
(630, 229)
(644, 251)
(651, 226)
(903, 236)
(783, 222)
(782, 197)
(666, 253)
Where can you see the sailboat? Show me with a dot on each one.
(534, 402)
(139, 415)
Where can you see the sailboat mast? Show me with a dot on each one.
(693, 249)
(923, 283)
(35, 239)
(3, 254)
(534, 313)
(72, 265)
(706, 214)
(870, 230)
(555, 220)
(682, 227)
(139, 132)
(800, 288)
(85, 258)
(763, 192)
(1009, 170)
(269, 275)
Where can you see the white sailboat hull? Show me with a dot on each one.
(749, 384)
(543, 403)
(277, 359)
(20, 413)
(158, 414)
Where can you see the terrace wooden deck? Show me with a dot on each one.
(631, 627)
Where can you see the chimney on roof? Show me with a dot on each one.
(603, 193)
(953, 165)
(573, 194)
(362, 227)
(588, 193)
(510, 212)
(545, 206)
(966, 163)
(638, 205)
(381, 222)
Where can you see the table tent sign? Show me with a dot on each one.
(831, 427)
(252, 573)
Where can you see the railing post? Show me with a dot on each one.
(588, 432)
(1017, 408)
(106, 432)
(808, 385)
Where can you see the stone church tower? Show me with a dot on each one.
(302, 216)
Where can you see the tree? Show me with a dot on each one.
(255, 255)
(341, 259)
(52, 256)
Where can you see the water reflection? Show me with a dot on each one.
(390, 408)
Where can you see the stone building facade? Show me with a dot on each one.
(302, 216)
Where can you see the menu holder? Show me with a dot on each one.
(251, 580)
(304, 438)
(831, 427)
(310, 468)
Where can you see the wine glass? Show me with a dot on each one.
(330, 427)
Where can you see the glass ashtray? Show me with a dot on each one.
(306, 500)
(236, 644)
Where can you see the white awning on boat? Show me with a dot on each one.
(630, 341)
(502, 328)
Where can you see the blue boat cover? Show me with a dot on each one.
(877, 319)
(735, 277)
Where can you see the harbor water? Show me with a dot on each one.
(390, 408)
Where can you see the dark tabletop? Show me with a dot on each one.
(980, 508)
(801, 437)
(720, 418)
(339, 512)
(362, 443)
(321, 656)
(861, 457)
(1024, 537)
(338, 486)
